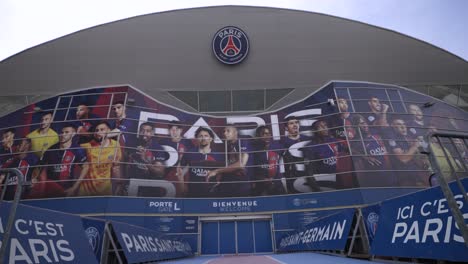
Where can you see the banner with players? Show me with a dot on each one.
(118, 141)
(327, 233)
(142, 245)
(44, 236)
(421, 225)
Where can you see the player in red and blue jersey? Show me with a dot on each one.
(8, 145)
(178, 146)
(293, 160)
(148, 158)
(234, 178)
(341, 123)
(412, 166)
(85, 123)
(199, 162)
(266, 164)
(372, 160)
(23, 160)
(63, 163)
(147, 161)
(377, 117)
(122, 127)
(323, 154)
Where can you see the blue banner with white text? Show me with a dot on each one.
(141, 245)
(328, 233)
(44, 236)
(421, 225)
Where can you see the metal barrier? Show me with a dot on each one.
(436, 146)
(12, 214)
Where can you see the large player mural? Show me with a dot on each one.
(118, 141)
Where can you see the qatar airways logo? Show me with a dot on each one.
(230, 45)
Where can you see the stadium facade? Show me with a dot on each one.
(229, 126)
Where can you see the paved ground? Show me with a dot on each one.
(291, 258)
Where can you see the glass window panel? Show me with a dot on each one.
(463, 101)
(248, 100)
(274, 95)
(393, 95)
(362, 96)
(11, 103)
(60, 115)
(215, 101)
(398, 107)
(343, 93)
(420, 88)
(447, 93)
(188, 97)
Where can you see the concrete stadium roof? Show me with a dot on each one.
(172, 51)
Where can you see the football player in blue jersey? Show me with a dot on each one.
(371, 160)
(327, 155)
(377, 117)
(85, 123)
(63, 163)
(266, 164)
(234, 177)
(123, 127)
(180, 145)
(293, 159)
(341, 122)
(147, 161)
(8, 145)
(26, 162)
(406, 156)
(199, 162)
(148, 158)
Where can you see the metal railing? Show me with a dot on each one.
(14, 205)
(441, 175)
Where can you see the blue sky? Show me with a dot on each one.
(27, 23)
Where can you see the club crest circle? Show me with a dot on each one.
(230, 45)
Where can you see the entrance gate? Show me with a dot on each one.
(228, 235)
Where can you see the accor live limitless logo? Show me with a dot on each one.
(230, 45)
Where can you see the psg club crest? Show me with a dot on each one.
(230, 45)
(93, 236)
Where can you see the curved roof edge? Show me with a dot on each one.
(243, 6)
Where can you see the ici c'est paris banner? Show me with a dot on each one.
(44, 236)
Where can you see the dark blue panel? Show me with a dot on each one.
(245, 239)
(298, 220)
(262, 236)
(63, 232)
(138, 221)
(94, 230)
(192, 239)
(280, 234)
(172, 224)
(327, 233)
(400, 219)
(142, 245)
(209, 239)
(227, 238)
